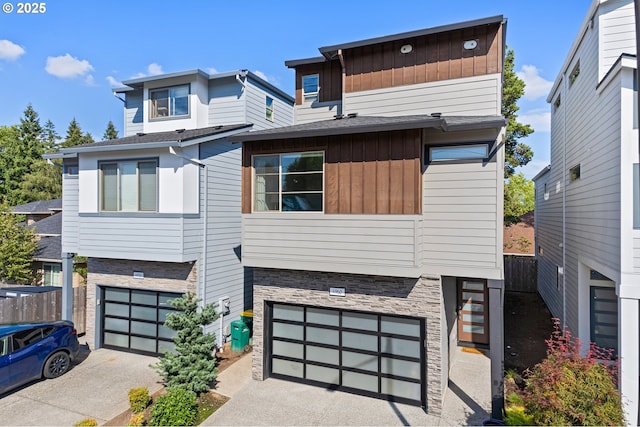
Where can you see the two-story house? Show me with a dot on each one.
(375, 236)
(157, 212)
(587, 200)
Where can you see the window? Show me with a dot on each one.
(604, 317)
(51, 274)
(574, 73)
(574, 172)
(288, 182)
(310, 87)
(169, 102)
(129, 185)
(557, 103)
(269, 108)
(71, 169)
(459, 152)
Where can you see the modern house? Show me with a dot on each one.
(375, 236)
(587, 199)
(157, 212)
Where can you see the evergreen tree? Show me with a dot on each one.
(19, 155)
(193, 364)
(43, 183)
(75, 136)
(516, 153)
(111, 132)
(50, 137)
(17, 247)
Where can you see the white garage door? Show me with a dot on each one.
(360, 352)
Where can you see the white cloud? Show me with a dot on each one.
(155, 69)
(262, 75)
(212, 70)
(67, 66)
(532, 168)
(539, 119)
(535, 85)
(89, 80)
(113, 81)
(10, 51)
(137, 76)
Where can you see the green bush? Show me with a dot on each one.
(139, 399)
(87, 422)
(567, 388)
(515, 412)
(136, 420)
(176, 408)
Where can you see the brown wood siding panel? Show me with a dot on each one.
(433, 58)
(373, 173)
(330, 80)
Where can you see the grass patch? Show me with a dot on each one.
(208, 403)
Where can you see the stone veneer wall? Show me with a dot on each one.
(158, 276)
(421, 297)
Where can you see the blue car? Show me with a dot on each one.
(30, 351)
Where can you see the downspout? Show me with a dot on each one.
(564, 205)
(342, 77)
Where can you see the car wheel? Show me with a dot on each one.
(56, 365)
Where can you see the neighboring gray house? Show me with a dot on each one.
(158, 211)
(587, 200)
(375, 237)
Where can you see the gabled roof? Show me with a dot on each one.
(49, 249)
(39, 207)
(353, 124)
(330, 52)
(50, 226)
(179, 138)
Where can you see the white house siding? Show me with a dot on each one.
(475, 96)
(256, 96)
(462, 213)
(227, 101)
(133, 114)
(358, 244)
(617, 32)
(70, 218)
(316, 111)
(225, 275)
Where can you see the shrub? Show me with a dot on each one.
(139, 399)
(567, 388)
(136, 420)
(176, 408)
(515, 412)
(87, 422)
(193, 364)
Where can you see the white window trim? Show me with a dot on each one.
(459, 146)
(271, 109)
(280, 154)
(59, 272)
(169, 116)
(310, 96)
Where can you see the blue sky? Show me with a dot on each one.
(65, 61)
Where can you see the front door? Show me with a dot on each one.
(473, 317)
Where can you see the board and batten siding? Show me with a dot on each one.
(256, 97)
(464, 96)
(329, 80)
(133, 113)
(616, 26)
(388, 245)
(70, 220)
(225, 274)
(227, 102)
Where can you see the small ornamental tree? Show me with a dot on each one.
(567, 388)
(192, 366)
(17, 248)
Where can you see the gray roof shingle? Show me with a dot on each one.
(39, 207)
(51, 225)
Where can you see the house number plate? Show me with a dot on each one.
(337, 292)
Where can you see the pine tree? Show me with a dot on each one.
(193, 364)
(75, 136)
(50, 137)
(43, 183)
(17, 247)
(111, 132)
(516, 153)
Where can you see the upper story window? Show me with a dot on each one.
(459, 152)
(288, 182)
(129, 186)
(310, 87)
(574, 172)
(574, 73)
(269, 108)
(556, 103)
(169, 102)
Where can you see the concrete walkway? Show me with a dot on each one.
(282, 403)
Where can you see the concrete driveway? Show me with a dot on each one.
(96, 387)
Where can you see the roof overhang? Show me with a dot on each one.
(297, 62)
(542, 173)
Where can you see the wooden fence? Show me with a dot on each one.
(44, 307)
(520, 273)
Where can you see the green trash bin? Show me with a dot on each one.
(239, 336)
(247, 317)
